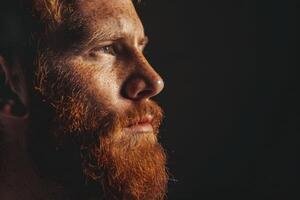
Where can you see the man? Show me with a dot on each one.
(77, 119)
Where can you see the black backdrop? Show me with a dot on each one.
(231, 95)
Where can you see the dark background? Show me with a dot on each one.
(231, 95)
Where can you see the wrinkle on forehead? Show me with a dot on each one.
(110, 18)
(107, 31)
(90, 5)
(103, 9)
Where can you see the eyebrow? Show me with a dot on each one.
(106, 35)
(101, 36)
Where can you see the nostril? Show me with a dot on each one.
(142, 87)
(144, 93)
(134, 88)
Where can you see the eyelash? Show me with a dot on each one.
(107, 49)
(111, 49)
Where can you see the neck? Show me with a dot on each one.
(18, 178)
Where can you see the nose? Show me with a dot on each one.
(143, 83)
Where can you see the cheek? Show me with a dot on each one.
(106, 86)
(103, 82)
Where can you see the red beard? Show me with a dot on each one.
(122, 166)
(130, 167)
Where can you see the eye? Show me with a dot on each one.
(109, 49)
(98, 51)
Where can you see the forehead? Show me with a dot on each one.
(106, 7)
(110, 15)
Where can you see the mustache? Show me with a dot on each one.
(143, 112)
(103, 122)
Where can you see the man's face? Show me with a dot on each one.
(97, 85)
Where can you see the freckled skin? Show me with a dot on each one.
(118, 78)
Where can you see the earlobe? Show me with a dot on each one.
(13, 98)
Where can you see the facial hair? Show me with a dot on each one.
(114, 165)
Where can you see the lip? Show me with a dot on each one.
(142, 125)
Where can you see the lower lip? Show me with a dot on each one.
(139, 128)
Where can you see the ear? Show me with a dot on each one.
(13, 92)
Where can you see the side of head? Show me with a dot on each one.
(14, 34)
